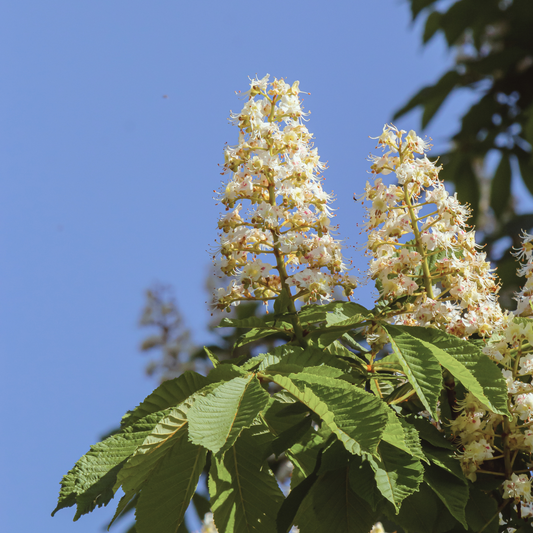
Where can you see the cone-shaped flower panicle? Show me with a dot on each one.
(421, 246)
(276, 232)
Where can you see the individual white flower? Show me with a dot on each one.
(518, 488)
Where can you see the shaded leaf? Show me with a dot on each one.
(168, 492)
(245, 496)
(355, 416)
(452, 491)
(500, 189)
(332, 505)
(397, 474)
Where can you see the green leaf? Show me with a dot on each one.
(254, 335)
(363, 482)
(245, 497)
(482, 512)
(528, 127)
(500, 187)
(465, 361)
(420, 366)
(91, 482)
(168, 492)
(169, 394)
(303, 455)
(277, 354)
(201, 505)
(346, 314)
(424, 512)
(428, 432)
(432, 25)
(526, 169)
(258, 322)
(216, 420)
(397, 474)
(291, 436)
(289, 508)
(418, 5)
(447, 460)
(453, 492)
(214, 361)
(332, 505)
(402, 435)
(157, 443)
(439, 93)
(355, 416)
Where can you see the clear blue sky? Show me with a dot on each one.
(107, 186)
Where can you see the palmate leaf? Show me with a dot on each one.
(467, 364)
(332, 505)
(397, 474)
(91, 482)
(245, 496)
(356, 417)
(216, 420)
(420, 366)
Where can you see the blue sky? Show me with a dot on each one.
(113, 121)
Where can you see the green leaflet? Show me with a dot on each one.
(155, 446)
(169, 394)
(277, 354)
(245, 496)
(420, 366)
(168, 492)
(266, 321)
(447, 460)
(216, 420)
(402, 435)
(165, 450)
(289, 508)
(357, 417)
(482, 512)
(465, 361)
(332, 505)
(422, 512)
(363, 482)
(90, 483)
(397, 474)
(347, 314)
(452, 491)
(256, 334)
(428, 432)
(303, 456)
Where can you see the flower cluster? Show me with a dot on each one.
(523, 297)
(283, 240)
(421, 246)
(511, 348)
